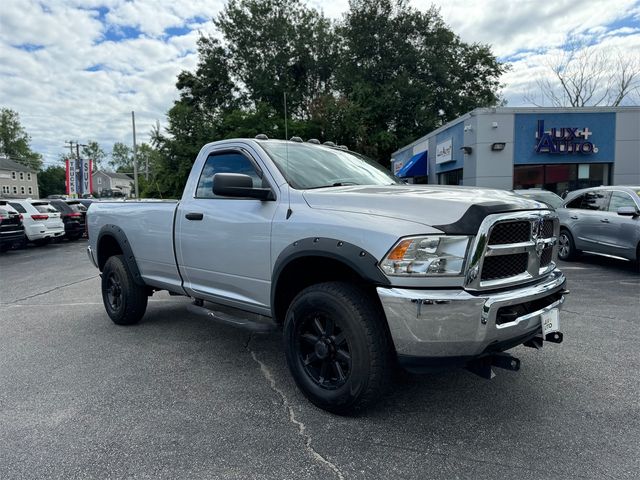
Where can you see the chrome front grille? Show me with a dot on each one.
(511, 249)
(510, 232)
(504, 266)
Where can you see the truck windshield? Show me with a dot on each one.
(315, 166)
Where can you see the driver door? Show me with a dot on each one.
(223, 244)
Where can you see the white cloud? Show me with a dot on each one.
(47, 46)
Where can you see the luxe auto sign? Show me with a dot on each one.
(564, 141)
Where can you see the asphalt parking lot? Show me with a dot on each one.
(180, 397)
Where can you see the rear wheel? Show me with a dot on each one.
(124, 300)
(337, 347)
(566, 246)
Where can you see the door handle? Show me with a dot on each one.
(604, 220)
(194, 216)
(575, 217)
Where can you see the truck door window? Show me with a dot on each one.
(227, 162)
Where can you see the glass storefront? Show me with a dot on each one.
(452, 177)
(561, 178)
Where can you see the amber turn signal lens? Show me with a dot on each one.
(398, 252)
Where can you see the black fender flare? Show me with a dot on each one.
(121, 238)
(356, 258)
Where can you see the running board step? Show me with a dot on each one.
(242, 322)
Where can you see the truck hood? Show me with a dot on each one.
(454, 210)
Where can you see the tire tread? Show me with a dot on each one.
(378, 339)
(135, 303)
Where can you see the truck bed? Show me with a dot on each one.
(148, 226)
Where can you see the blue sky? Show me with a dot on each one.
(75, 69)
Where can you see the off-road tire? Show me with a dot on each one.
(566, 246)
(124, 300)
(359, 324)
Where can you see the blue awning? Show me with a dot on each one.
(415, 167)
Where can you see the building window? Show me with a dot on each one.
(21, 190)
(21, 175)
(30, 190)
(13, 175)
(29, 176)
(453, 177)
(5, 189)
(15, 190)
(561, 178)
(99, 180)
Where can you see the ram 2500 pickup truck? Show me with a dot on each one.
(360, 270)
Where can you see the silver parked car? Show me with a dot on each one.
(544, 196)
(602, 220)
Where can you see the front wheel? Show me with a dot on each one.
(124, 300)
(566, 246)
(337, 347)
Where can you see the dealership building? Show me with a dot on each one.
(558, 149)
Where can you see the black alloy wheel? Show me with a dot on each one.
(323, 349)
(338, 347)
(124, 300)
(114, 291)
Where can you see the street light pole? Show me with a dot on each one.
(135, 152)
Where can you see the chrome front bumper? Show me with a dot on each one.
(455, 323)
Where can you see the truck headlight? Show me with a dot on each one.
(426, 255)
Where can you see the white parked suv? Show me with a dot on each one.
(42, 222)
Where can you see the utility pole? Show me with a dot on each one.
(135, 154)
(78, 162)
(70, 142)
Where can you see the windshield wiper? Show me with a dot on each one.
(337, 184)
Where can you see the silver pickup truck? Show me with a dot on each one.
(361, 271)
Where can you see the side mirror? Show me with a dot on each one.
(627, 211)
(239, 185)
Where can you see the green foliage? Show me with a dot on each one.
(378, 79)
(409, 73)
(94, 151)
(121, 158)
(51, 181)
(15, 141)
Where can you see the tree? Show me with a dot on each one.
(15, 141)
(121, 158)
(278, 46)
(374, 81)
(52, 181)
(581, 75)
(402, 67)
(94, 151)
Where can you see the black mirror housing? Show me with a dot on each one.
(240, 186)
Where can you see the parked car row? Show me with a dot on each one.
(603, 220)
(40, 221)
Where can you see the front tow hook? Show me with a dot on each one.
(483, 365)
(554, 337)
